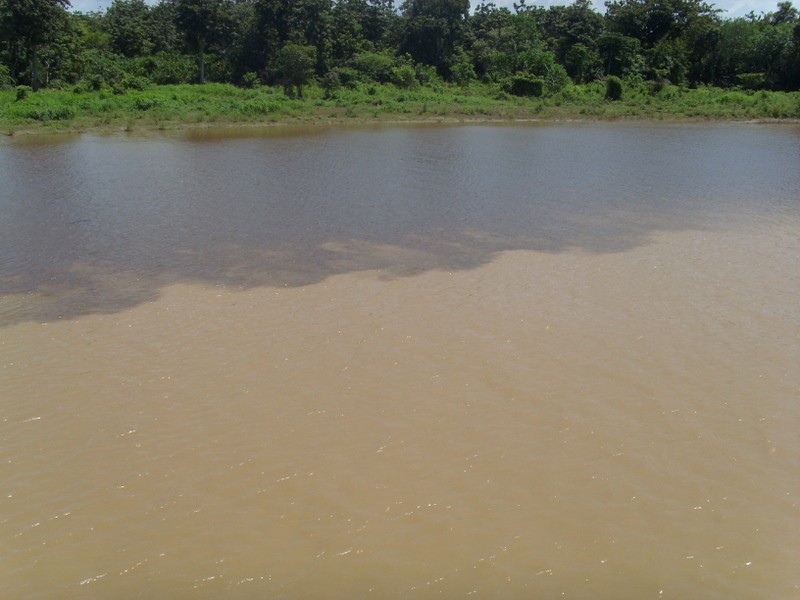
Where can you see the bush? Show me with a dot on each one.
(23, 91)
(133, 82)
(258, 107)
(404, 77)
(521, 85)
(48, 113)
(94, 83)
(166, 68)
(752, 81)
(56, 84)
(147, 103)
(251, 80)
(331, 83)
(654, 87)
(296, 65)
(426, 74)
(375, 66)
(555, 79)
(463, 73)
(613, 88)
(5, 77)
(102, 69)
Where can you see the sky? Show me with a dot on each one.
(732, 8)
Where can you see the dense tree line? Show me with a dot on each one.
(531, 49)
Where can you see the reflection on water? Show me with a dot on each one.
(508, 361)
(100, 224)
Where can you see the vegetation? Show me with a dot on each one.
(169, 106)
(286, 60)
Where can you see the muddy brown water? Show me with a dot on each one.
(540, 361)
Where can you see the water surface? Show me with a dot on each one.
(507, 361)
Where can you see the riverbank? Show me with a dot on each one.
(180, 106)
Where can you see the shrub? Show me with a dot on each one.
(613, 88)
(375, 66)
(5, 77)
(56, 84)
(23, 91)
(555, 79)
(166, 68)
(251, 80)
(426, 74)
(296, 66)
(133, 82)
(522, 85)
(404, 77)
(752, 81)
(94, 83)
(147, 103)
(331, 83)
(49, 113)
(654, 86)
(258, 107)
(102, 69)
(463, 73)
(348, 77)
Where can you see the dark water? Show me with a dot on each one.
(99, 224)
(523, 361)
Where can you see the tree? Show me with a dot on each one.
(203, 22)
(296, 64)
(163, 29)
(565, 26)
(621, 54)
(310, 25)
(582, 63)
(650, 21)
(786, 13)
(432, 30)
(348, 23)
(128, 23)
(29, 25)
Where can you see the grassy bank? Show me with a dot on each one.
(169, 107)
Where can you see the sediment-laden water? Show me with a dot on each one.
(540, 361)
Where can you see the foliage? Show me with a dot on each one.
(404, 77)
(432, 30)
(5, 77)
(296, 67)
(128, 23)
(613, 88)
(463, 73)
(178, 105)
(22, 92)
(203, 23)
(521, 85)
(752, 81)
(251, 80)
(374, 66)
(29, 25)
(165, 68)
(331, 83)
(135, 43)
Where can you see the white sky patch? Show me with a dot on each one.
(732, 8)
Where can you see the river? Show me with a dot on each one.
(507, 361)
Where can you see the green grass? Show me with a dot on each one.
(168, 107)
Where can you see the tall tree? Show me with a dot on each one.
(310, 24)
(30, 25)
(433, 29)
(350, 20)
(128, 23)
(295, 64)
(203, 22)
